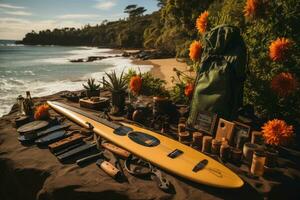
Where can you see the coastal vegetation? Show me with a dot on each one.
(269, 29)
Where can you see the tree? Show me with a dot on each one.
(134, 11)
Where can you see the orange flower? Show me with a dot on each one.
(42, 112)
(135, 84)
(279, 49)
(188, 90)
(201, 22)
(277, 132)
(250, 8)
(195, 50)
(284, 84)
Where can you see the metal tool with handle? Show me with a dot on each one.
(88, 159)
(163, 183)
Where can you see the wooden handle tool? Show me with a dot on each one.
(108, 168)
(117, 150)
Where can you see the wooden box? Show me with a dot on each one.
(96, 103)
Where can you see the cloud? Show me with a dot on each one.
(19, 13)
(16, 28)
(77, 16)
(2, 5)
(105, 5)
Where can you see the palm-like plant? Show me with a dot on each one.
(91, 85)
(115, 83)
(117, 86)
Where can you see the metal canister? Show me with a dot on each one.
(241, 140)
(258, 162)
(215, 146)
(224, 152)
(20, 101)
(158, 105)
(206, 144)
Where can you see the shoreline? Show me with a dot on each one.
(160, 68)
(163, 68)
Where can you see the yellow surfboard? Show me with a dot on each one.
(159, 150)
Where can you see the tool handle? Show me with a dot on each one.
(108, 168)
(117, 150)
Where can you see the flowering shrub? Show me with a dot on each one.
(195, 51)
(42, 112)
(269, 29)
(135, 84)
(202, 22)
(145, 83)
(284, 84)
(279, 49)
(277, 132)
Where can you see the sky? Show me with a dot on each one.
(18, 17)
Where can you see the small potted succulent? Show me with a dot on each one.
(117, 85)
(92, 89)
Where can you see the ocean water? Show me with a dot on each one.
(45, 70)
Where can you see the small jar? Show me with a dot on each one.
(197, 138)
(206, 144)
(258, 162)
(236, 156)
(271, 157)
(181, 127)
(224, 152)
(182, 120)
(248, 151)
(184, 136)
(215, 146)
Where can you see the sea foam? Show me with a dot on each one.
(11, 87)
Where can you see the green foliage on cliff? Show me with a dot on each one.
(170, 29)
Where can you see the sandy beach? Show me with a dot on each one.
(163, 68)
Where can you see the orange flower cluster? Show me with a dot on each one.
(250, 8)
(201, 22)
(284, 84)
(277, 132)
(42, 112)
(135, 84)
(279, 49)
(188, 90)
(195, 50)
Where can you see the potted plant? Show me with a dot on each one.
(276, 133)
(92, 89)
(117, 86)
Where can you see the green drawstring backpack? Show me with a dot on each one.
(222, 71)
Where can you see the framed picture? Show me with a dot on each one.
(205, 122)
(241, 130)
